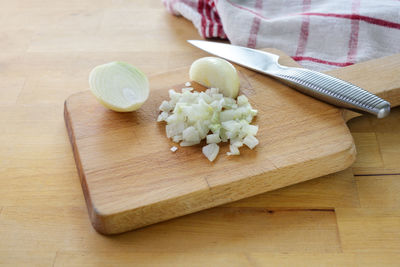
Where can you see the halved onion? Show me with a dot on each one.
(119, 86)
(216, 72)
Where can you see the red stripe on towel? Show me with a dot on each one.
(255, 27)
(305, 25)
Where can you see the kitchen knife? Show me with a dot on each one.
(313, 83)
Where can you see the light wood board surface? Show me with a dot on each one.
(131, 179)
(47, 50)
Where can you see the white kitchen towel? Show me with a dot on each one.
(319, 34)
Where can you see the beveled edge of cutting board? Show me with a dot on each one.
(110, 223)
(71, 135)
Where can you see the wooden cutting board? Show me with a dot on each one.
(131, 179)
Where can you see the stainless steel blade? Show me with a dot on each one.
(246, 57)
(312, 83)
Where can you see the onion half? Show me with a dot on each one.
(216, 72)
(119, 86)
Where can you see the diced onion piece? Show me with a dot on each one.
(223, 135)
(187, 89)
(186, 143)
(217, 96)
(238, 142)
(242, 100)
(216, 72)
(231, 126)
(214, 90)
(227, 115)
(229, 103)
(191, 135)
(163, 116)
(174, 96)
(208, 99)
(174, 148)
(202, 128)
(213, 139)
(211, 151)
(250, 129)
(250, 141)
(234, 150)
(174, 129)
(119, 86)
(165, 106)
(177, 138)
(215, 128)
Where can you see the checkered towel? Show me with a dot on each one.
(319, 34)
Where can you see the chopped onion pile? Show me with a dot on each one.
(193, 116)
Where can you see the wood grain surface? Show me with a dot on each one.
(300, 139)
(350, 218)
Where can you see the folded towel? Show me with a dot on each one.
(320, 35)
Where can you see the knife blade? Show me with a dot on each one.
(318, 85)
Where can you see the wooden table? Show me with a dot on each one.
(47, 49)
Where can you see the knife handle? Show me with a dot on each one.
(332, 90)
